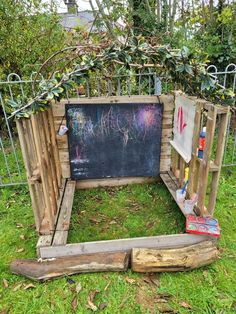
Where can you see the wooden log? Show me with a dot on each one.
(48, 269)
(171, 260)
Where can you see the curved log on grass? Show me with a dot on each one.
(56, 267)
(172, 260)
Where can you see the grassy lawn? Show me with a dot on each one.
(138, 210)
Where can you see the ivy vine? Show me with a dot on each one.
(179, 65)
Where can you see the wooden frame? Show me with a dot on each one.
(47, 164)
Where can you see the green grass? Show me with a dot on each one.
(124, 212)
(138, 210)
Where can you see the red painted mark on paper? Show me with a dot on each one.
(181, 124)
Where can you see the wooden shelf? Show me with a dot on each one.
(171, 183)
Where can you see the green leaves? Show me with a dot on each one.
(179, 66)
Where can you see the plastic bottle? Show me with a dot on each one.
(201, 143)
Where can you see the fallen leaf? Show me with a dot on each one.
(102, 306)
(154, 278)
(70, 281)
(150, 224)
(22, 237)
(78, 288)
(19, 225)
(91, 306)
(92, 294)
(17, 287)
(185, 305)
(165, 308)
(5, 283)
(160, 300)
(105, 289)
(20, 250)
(94, 220)
(29, 286)
(91, 297)
(205, 274)
(130, 280)
(74, 304)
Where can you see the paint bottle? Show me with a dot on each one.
(201, 143)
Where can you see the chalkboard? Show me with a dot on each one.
(114, 140)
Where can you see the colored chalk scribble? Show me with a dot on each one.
(103, 138)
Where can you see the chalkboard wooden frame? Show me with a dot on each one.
(135, 135)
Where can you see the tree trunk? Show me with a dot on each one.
(57, 267)
(158, 6)
(172, 20)
(105, 19)
(172, 260)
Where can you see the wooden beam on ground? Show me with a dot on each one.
(109, 182)
(172, 260)
(45, 270)
(46, 240)
(120, 245)
(63, 223)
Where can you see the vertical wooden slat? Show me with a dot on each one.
(205, 162)
(51, 161)
(37, 184)
(218, 160)
(29, 171)
(54, 147)
(49, 215)
(181, 172)
(47, 163)
(194, 164)
(174, 161)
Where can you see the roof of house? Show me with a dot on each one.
(83, 18)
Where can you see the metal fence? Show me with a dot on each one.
(148, 83)
(227, 79)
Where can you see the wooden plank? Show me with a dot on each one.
(96, 183)
(194, 166)
(47, 163)
(168, 100)
(62, 228)
(205, 163)
(54, 146)
(120, 245)
(218, 160)
(29, 171)
(46, 240)
(49, 153)
(48, 223)
(90, 263)
(181, 171)
(172, 260)
(171, 186)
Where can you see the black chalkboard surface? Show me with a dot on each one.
(114, 140)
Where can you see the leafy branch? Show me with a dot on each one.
(179, 65)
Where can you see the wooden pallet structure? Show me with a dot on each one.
(46, 160)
